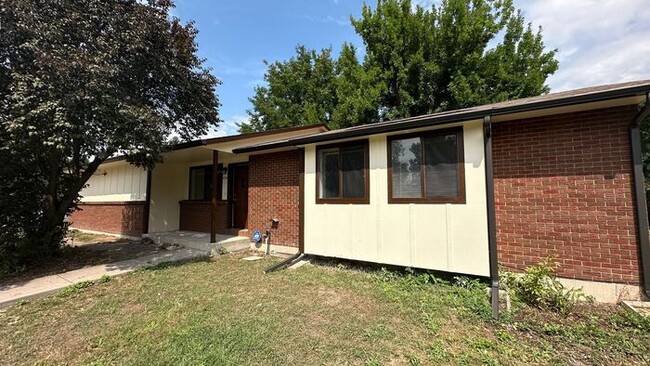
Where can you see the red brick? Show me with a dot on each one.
(563, 187)
(273, 192)
(125, 218)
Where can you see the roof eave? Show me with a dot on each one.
(458, 117)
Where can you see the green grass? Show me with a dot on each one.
(227, 312)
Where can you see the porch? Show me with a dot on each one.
(201, 241)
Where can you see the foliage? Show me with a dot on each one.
(299, 89)
(75, 288)
(104, 279)
(81, 81)
(459, 54)
(539, 287)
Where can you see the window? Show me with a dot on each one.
(426, 167)
(342, 173)
(200, 183)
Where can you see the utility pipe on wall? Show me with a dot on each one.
(639, 192)
(491, 215)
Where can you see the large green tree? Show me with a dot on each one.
(300, 89)
(81, 81)
(418, 61)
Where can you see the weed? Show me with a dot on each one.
(104, 279)
(75, 288)
(538, 286)
(632, 320)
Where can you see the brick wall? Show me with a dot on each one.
(564, 188)
(273, 192)
(125, 218)
(195, 216)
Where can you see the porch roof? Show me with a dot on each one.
(230, 143)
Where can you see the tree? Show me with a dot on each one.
(81, 81)
(440, 59)
(419, 61)
(299, 91)
(357, 93)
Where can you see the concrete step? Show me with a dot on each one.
(201, 241)
(234, 244)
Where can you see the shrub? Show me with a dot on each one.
(538, 286)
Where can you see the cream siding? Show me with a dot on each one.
(116, 182)
(445, 237)
(168, 187)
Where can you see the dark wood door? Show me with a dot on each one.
(240, 196)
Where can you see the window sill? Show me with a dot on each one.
(440, 200)
(343, 201)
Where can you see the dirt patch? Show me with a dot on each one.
(78, 256)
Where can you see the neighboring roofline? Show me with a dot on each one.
(547, 101)
(215, 140)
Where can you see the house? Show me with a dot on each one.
(462, 191)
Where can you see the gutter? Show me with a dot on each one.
(639, 190)
(450, 117)
(491, 216)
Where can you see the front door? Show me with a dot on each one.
(239, 196)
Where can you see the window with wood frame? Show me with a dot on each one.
(200, 183)
(342, 173)
(426, 167)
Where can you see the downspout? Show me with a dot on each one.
(640, 197)
(491, 215)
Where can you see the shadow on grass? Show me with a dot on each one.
(378, 268)
(174, 264)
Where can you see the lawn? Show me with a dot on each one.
(225, 311)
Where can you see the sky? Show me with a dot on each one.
(598, 41)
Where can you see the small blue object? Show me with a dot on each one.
(257, 236)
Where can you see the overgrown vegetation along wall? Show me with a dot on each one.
(273, 192)
(125, 218)
(564, 188)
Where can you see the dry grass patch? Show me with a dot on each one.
(227, 312)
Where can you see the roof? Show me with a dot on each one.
(552, 100)
(215, 140)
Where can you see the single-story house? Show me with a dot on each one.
(464, 191)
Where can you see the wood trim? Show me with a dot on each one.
(231, 182)
(366, 173)
(202, 202)
(112, 203)
(301, 202)
(214, 199)
(189, 185)
(147, 203)
(322, 126)
(460, 168)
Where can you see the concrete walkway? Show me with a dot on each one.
(44, 286)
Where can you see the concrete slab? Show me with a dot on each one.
(201, 241)
(252, 258)
(639, 307)
(300, 263)
(44, 286)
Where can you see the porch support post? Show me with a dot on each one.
(215, 184)
(147, 204)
